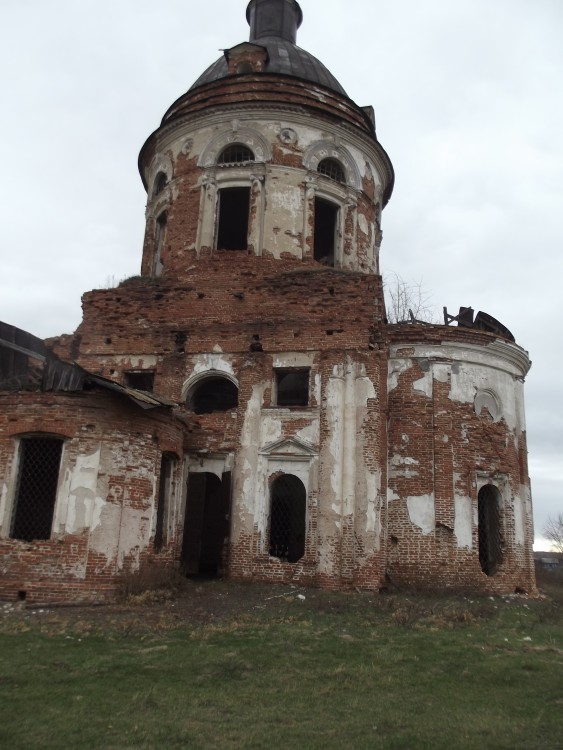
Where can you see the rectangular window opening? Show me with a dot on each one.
(142, 380)
(292, 387)
(160, 231)
(164, 495)
(36, 489)
(234, 209)
(326, 222)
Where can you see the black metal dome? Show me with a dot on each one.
(273, 25)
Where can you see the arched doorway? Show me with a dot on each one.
(288, 507)
(206, 525)
(490, 531)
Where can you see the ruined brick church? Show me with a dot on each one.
(242, 408)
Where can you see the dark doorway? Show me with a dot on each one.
(287, 518)
(490, 536)
(326, 215)
(234, 207)
(206, 526)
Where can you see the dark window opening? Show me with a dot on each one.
(490, 533)
(234, 207)
(287, 518)
(214, 394)
(142, 380)
(326, 216)
(160, 231)
(332, 169)
(245, 67)
(160, 183)
(236, 153)
(36, 489)
(164, 493)
(206, 525)
(292, 387)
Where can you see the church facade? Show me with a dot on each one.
(242, 408)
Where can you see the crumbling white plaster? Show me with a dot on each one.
(396, 368)
(441, 371)
(76, 513)
(463, 521)
(424, 384)
(104, 538)
(422, 513)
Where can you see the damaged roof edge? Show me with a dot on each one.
(17, 347)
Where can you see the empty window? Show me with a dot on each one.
(287, 518)
(326, 217)
(234, 207)
(160, 183)
(332, 169)
(214, 394)
(245, 67)
(164, 494)
(160, 231)
(142, 380)
(36, 488)
(292, 387)
(236, 153)
(490, 532)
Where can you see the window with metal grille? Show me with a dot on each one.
(36, 488)
(214, 394)
(236, 153)
(292, 387)
(287, 518)
(490, 530)
(167, 464)
(332, 169)
(160, 183)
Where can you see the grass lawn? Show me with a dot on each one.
(271, 670)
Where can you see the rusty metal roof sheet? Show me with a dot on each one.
(27, 364)
(284, 58)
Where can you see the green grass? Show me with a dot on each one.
(333, 671)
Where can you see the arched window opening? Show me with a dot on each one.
(36, 488)
(326, 223)
(215, 394)
(332, 169)
(235, 153)
(287, 518)
(160, 183)
(234, 212)
(490, 532)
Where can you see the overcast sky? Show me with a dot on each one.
(468, 96)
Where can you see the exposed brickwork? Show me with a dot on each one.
(403, 424)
